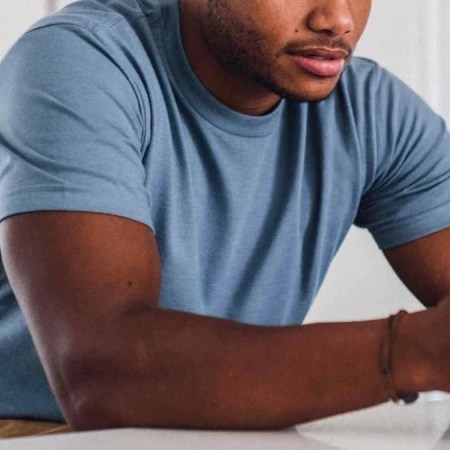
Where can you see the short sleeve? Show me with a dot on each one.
(71, 127)
(409, 196)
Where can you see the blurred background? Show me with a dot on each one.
(408, 37)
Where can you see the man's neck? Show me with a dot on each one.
(244, 96)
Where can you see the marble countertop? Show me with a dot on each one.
(422, 425)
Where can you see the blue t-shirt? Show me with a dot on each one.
(100, 111)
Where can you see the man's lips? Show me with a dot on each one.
(321, 61)
(322, 52)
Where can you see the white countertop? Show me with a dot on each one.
(422, 425)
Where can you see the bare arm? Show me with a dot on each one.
(424, 266)
(89, 284)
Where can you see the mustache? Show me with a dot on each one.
(331, 44)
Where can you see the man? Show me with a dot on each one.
(175, 180)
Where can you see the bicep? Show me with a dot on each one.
(74, 274)
(423, 265)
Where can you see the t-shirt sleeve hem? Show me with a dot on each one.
(412, 228)
(49, 202)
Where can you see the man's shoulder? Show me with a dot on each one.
(93, 15)
(363, 63)
(99, 30)
(362, 70)
(365, 79)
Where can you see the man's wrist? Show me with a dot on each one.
(414, 357)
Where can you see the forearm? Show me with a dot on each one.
(173, 369)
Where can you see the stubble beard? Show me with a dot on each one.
(225, 36)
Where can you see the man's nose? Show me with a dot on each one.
(331, 17)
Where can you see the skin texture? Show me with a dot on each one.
(424, 266)
(89, 284)
(240, 50)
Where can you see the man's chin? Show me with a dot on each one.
(313, 97)
(312, 93)
(304, 96)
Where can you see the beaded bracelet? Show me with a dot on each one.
(386, 361)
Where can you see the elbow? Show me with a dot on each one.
(87, 409)
(99, 395)
(100, 382)
(82, 408)
(80, 390)
(87, 418)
